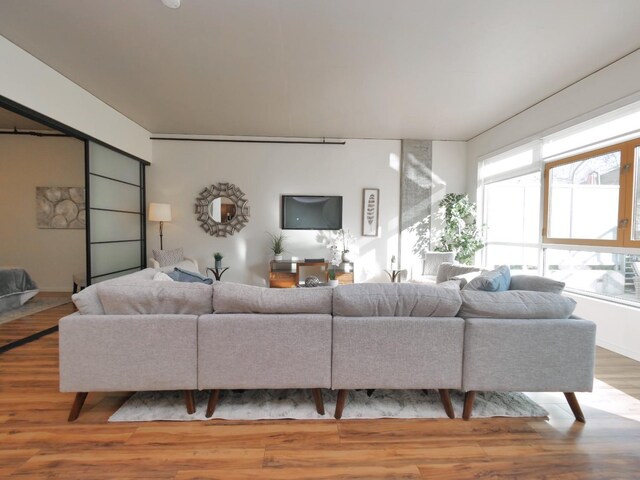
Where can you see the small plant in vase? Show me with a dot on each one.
(218, 258)
(334, 261)
(345, 239)
(277, 245)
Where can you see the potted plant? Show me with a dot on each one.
(345, 238)
(218, 258)
(277, 245)
(334, 261)
(460, 234)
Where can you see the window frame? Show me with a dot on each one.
(625, 196)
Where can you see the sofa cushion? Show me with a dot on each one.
(536, 283)
(497, 280)
(168, 257)
(237, 298)
(87, 301)
(396, 300)
(153, 297)
(181, 275)
(515, 304)
(446, 271)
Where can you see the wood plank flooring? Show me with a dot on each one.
(36, 442)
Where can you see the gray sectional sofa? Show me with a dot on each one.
(135, 334)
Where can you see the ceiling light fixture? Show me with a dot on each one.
(171, 3)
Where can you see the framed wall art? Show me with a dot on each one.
(370, 211)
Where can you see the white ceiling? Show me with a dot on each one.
(431, 69)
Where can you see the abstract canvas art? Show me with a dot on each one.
(60, 207)
(370, 201)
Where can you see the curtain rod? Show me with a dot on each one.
(229, 140)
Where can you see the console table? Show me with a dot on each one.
(286, 274)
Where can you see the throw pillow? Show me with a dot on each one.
(536, 284)
(446, 271)
(515, 304)
(180, 275)
(497, 280)
(162, 277)
(168, 257)
(466, 278)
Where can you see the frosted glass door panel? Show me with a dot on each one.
(112, 195)
(114, 226)
(116, 214)
(107, 258)
(112, 164)
(114, 275)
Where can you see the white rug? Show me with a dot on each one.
(35, 305)
(298, 404)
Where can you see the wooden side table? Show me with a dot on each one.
(217, 272)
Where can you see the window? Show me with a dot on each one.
(512, 222)
(590, 199)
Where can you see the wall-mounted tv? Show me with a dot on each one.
(311, 212)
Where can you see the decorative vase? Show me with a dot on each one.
(278, 257)
(218, 263)
(333, 283)
(346, 257)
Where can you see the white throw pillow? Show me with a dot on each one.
(162, 277)
(168, 257)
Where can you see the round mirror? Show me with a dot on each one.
(222, 210)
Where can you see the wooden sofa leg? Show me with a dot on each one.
(342, 398)
(575, 406)
(77, 406)
(213, 402)
(469, 397)
(317, 397)
(446, 402)
(190, 402)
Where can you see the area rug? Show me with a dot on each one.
(35, 305)
(298, 404)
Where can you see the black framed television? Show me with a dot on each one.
(311, 212)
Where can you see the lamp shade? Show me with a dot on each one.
(159, 212)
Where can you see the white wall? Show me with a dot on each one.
(31, 83)
(264, 172)
(610, 88)
(50, 256)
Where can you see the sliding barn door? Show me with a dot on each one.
(116, 214)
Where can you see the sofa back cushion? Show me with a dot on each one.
(515, 304)
(152, 297)
(536, 283)
(397, 300)
(237, 298)
(87, 301)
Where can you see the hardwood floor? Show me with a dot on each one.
(37, 442)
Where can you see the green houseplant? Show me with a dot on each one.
(218, 258)
(277, 245)
(460, 233)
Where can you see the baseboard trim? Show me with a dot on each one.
(618, 349)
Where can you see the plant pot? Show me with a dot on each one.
(333, 283)
(218, 263)
(278, 258)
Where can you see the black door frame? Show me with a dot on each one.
(31, 114)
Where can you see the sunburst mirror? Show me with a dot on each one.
(222, 209)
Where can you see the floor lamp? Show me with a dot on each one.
(160, 212)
